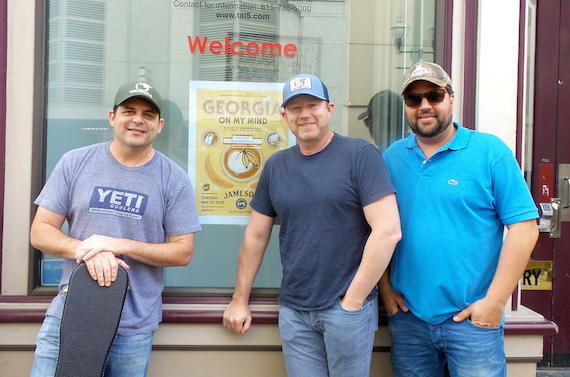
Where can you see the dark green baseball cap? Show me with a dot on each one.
(139, 89)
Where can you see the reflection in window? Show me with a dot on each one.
(76, 36)
(76, 32)
(236, 22)
(384, 118)
(405, 32)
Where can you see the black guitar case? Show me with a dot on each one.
(89, 324)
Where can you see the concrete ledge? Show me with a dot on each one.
(191, 338)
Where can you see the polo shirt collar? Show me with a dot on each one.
(459, 141)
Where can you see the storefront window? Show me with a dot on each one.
(220, 66)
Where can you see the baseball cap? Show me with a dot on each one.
(139, 89)
(426, 71)
(373, 105)
(304, 84)
(384, 101)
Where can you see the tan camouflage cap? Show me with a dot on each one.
(426, 71)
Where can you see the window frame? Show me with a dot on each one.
(3, 103)
(442, 56)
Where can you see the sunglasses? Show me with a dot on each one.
(433, 97)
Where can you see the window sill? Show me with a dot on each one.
(22, 309)
(30, 309)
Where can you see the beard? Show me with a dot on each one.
(443, 121)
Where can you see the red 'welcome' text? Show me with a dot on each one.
(238, 48)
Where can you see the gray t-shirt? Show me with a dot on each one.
(148, 203)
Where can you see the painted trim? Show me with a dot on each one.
(3, 69)
(469, 64)
(520, 85)
(448, 35)
(545, 327)
(25, 309)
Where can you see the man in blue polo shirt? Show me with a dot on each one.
(452, 274)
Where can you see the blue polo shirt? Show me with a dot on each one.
(453, 209)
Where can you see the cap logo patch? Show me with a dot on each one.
(419, 71)
(300, 83)
(142, 88)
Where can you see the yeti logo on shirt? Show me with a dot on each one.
(117, 202)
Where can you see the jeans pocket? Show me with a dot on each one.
(364, 306)
(287, 322)
(395, 314)
(468, 320)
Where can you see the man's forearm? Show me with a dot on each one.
(515, 253)
(177, 251)
(51, 240)
(384, 220)
(251, 254)
(375, 259)
(249, 261)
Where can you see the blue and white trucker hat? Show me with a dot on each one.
(304, 84)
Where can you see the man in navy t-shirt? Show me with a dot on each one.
(339, 227)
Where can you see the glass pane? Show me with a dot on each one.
(359, 48)
(401, 33)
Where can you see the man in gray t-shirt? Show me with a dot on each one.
(126, 204)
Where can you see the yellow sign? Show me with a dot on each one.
(537, 276)
(234, 128)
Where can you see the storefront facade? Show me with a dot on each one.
(220, 66)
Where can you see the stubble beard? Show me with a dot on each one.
(443, 122)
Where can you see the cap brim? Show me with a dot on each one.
(438, 82)
(146, 98)
(363, 115)
(298, 93)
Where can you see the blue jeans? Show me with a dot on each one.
(420, 349)
(128, 357)
(332, 342)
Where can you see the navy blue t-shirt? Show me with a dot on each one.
(319, 200)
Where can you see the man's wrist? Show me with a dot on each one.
(239, 299)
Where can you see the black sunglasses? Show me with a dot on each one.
(433, 97)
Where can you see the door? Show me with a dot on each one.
(550, 167)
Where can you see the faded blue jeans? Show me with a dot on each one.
(421, 350)
(332, 342)
(128, 357)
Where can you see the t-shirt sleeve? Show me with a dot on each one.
(55, 193)
(371, 175)
(261, 201)
(181, 211)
